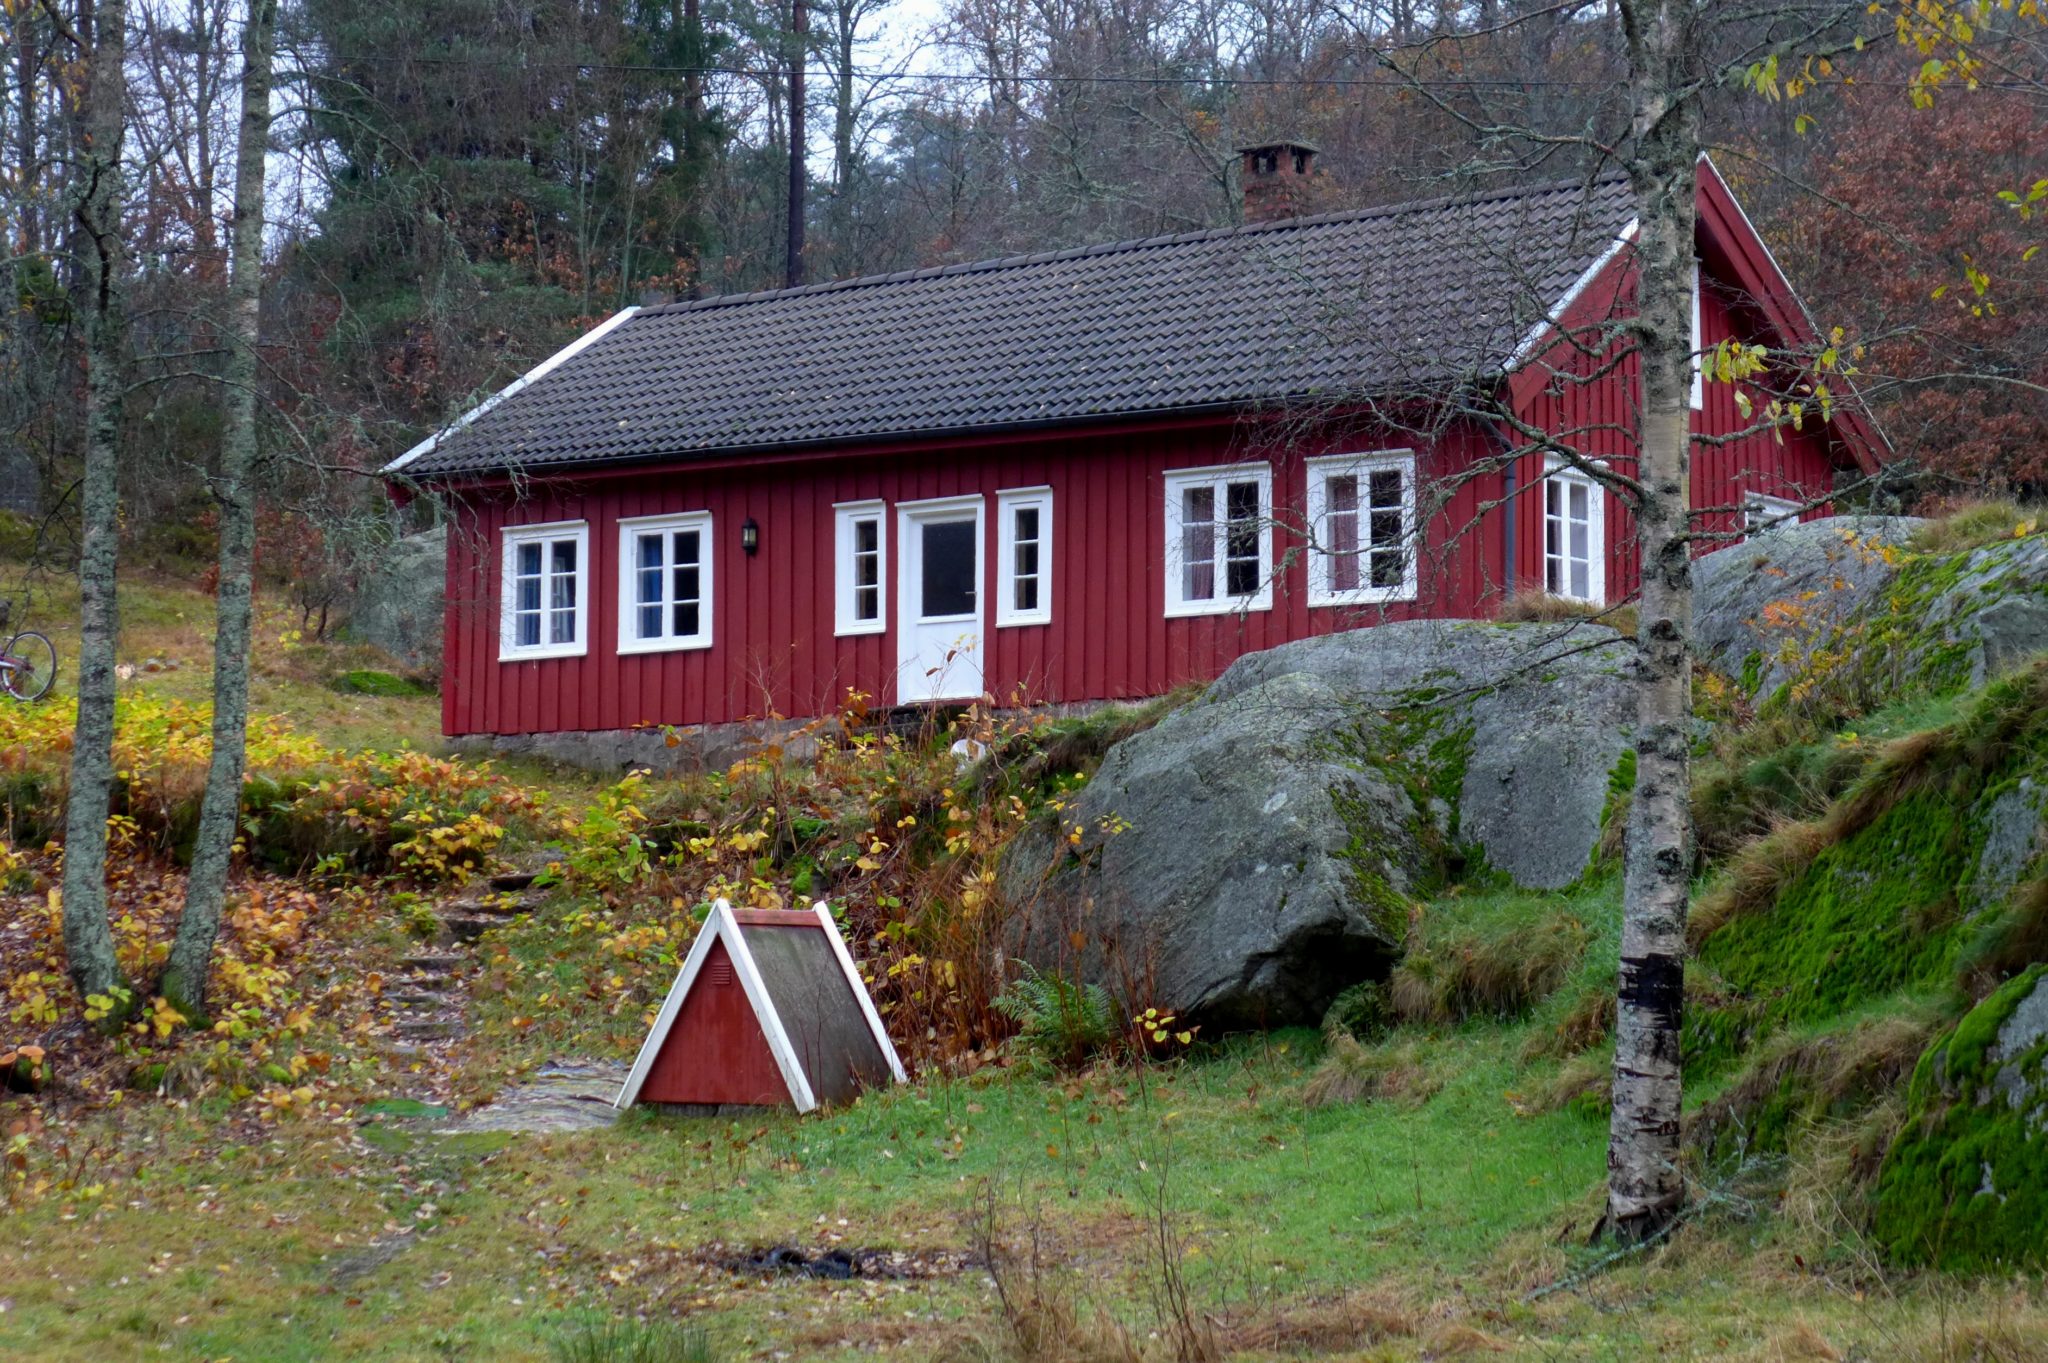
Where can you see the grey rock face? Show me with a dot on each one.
(1824, 570)
(1541, 714)
(2015, 831)
(1250, 856)
(398, 605)
(1232, 863)
(1998, 607)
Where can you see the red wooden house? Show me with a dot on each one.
(1082, 475)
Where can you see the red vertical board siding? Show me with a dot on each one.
(773, 612)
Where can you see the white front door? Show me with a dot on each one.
(938, 631)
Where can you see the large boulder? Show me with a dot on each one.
(1965, 1185)
(1759, 607)
(1851, 594)
(399, 600)
(1252, 854)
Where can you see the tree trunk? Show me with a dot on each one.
(1645, 1187)
(184, 983)
(88, 941)
(799, 23)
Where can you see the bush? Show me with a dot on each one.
(1973, 525)
(1476, 975)
(1059, 1020)
(1363, 1012)
(1351, 1072)
(305, 805)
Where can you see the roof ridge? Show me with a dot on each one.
(994, 263)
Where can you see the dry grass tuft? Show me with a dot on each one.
(1791, 1084)
(2011, 942)
(1586, 1024)
(1968, 525)
(1801, 1343)
(1351, 1073)
(1486, 977)
(1582, 1081)
(1352, 1321)
(1458, 1339)
(1540, 608)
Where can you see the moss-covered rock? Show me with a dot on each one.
(1878, 896)
(1965, 1185)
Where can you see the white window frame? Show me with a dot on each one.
(552, 532)
(1559, 473)
(1008, 504)
(1776, 513)
(845, 515)
(630, 531)
(1177, 482)
(1699, 359)
(1322, 561)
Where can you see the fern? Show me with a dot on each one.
(1064, 1021)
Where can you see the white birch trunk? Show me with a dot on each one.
(88, 941)
(1645, 1185)
(234, 490)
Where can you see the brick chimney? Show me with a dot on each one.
(1277, 179)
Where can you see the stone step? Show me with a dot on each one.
(435, 961)
(427, 1029)
(468, 927)
(420, 998)
(496, 904)
(511, 882)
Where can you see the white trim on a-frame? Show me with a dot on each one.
(723, 926)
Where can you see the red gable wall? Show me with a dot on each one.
(774, 650)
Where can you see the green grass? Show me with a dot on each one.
(171, 622)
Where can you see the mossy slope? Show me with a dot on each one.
(1965, 1185)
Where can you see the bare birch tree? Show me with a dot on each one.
(234, 491)
(100, 37)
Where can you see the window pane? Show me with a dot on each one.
(867, 536)
(1581, 588)
(1386, 487)
(1386, 529)
(1027, 594)
(686, 619)
(688, 580)
(1389, 567)
(1198, 544)
(562, 627)
(1027, 559)
(527, 595)
(689, 548)
(1027, 524)
(1243, 577)
(526, 631)
(650, 551)
(1340, 533)
(650, 621)
(1243, 501)
(948, 568)
(565, 557)
(867, 603)
(1578, 542)
(529, 560)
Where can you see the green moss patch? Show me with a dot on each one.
(1965, 1186)
(365, 681)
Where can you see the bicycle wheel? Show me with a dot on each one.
(28, 666)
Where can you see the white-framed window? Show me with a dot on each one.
(1219, 539)
(1024, 556)
(859, 559)
(1763, 515)
(1574, 535)
(1699, 359)
(544, 596)
(665, 582)
(1361, 511)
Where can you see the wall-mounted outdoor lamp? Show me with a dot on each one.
(750, 535)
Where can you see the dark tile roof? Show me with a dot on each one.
(1389, 300)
